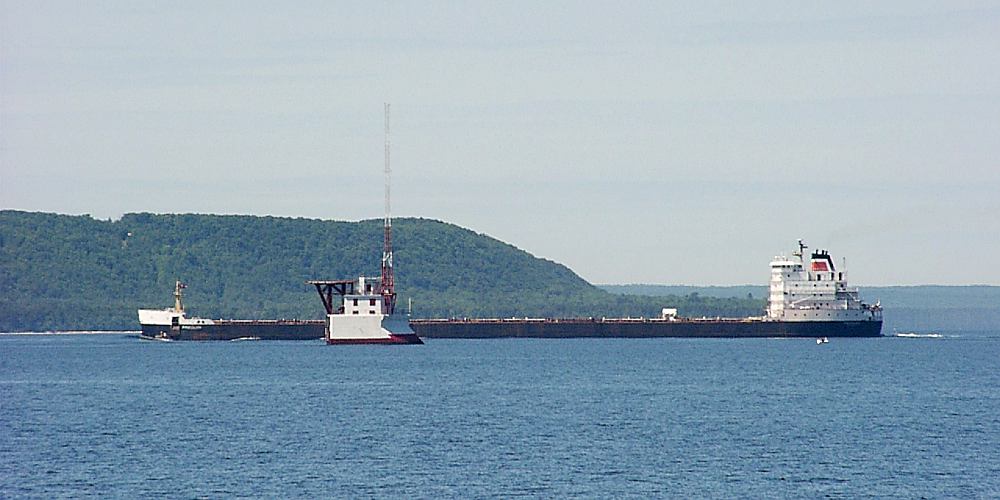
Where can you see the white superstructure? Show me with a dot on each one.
(363, 316)
(173, 317)
(816, 293)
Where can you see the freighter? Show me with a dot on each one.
(812, 301)
(803, 301)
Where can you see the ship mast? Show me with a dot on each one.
(178, 305)
(388, 284)
(801, 253)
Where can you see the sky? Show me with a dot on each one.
(634, 142)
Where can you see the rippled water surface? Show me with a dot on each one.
(110, 415)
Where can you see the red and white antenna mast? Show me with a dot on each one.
(388, 283)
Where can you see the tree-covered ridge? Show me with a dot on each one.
(76, 272)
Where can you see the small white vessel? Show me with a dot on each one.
(822, 340)
(159, 337)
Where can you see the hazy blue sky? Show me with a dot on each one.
(655, 142)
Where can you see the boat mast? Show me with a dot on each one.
(801, 253)
(388, 285)
(178, 305)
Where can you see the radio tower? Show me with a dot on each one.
(388, 284)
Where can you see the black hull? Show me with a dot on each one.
(239, 330)
(489, 329)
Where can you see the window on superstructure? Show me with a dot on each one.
(355, 302)
(371, 302)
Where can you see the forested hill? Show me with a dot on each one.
(62, 272)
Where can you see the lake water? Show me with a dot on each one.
(113, 416)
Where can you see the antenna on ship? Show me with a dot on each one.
(802, 251)
(388, 285)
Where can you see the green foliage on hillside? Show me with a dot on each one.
(75, 272)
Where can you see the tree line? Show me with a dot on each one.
(60, 272)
